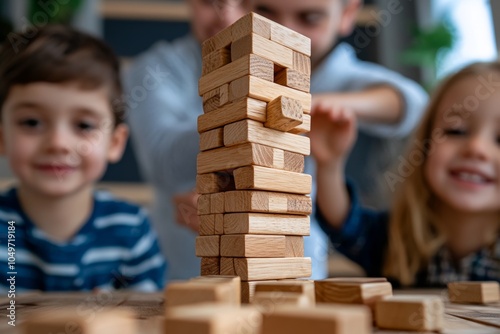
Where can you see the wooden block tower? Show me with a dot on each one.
(254, 202)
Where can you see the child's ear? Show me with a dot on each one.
(118, 142)
(349, 17)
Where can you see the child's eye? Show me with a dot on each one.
(86, 126)
(29, 123)
(455, 132)
(312, 19)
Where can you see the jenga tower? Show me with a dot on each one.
(254, 206)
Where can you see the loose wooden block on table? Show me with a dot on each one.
(284, 114)
(194, 292)
(245, 108)
(328, 291)
(304, 287)
(255, 44)
(262, 178)
(258, 223)
(212, 319)
(257, 88)
(248, 290)
(76, 320)
(215, 98)
(474, 292)
(212, 139)
(210, 266)
(254, 269)
(248, 131)
(293, 79)
(235, 281)
(208, 246)
(215, 60)
(410, 313)
(322, 319)
(266, 202)
(248, 154)
(211, 183)
(247, 245)
(251, 65)
(268, 300)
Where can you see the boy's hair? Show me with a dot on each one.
(61, 54)
(415, 235)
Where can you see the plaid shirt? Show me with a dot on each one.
(364, 239)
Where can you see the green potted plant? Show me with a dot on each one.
(62, 15)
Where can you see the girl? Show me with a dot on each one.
(445, 221)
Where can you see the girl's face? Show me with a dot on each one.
(463, 169)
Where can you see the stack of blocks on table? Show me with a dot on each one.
(254, 202)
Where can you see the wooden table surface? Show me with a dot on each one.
(459, 319)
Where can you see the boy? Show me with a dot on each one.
(60, 125)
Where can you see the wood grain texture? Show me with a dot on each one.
(210, 266)
(273, 224)
(229, 158)
(245, 108)
(271, 299)
(219, 224)
(210, 204)
(305, 127)
(322, 319)
(474, 292)
(212, 139)
(252, 86)
(214, 182)
(255, 44)
(291, 39)
(294, 246)
(266, 202)
(253, 269)
(293, 79)
(194, 292)
(208, 246)
(301, 63)
(410, 313)
(248, 245)
(248, 131)
(221, 40)
(252, 65)
(284, 114)
(263, 178)
(215, 98)
(215, 60)
(300, 286)
(207, 225)
(234, 281)
(328, 291)
(251, 23)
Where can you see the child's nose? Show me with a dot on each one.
(58, 140)
(478, 146)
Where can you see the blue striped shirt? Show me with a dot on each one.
(115, 249)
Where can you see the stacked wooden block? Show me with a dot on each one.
(254, 206)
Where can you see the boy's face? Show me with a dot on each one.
(58, 138)
(323, 21)
(208, 17)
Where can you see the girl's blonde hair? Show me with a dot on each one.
(414, 233)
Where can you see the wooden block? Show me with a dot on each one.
(255, 269)
(412, 313)
(212, 139)
(193, 292)
(204, 205)
(267, 301)
(328, 291)
(248, 245)
(305, 127)
(252, 65)
(474, 292)
(207, 225)
(76, 320)
(210, 266)
(301, 63)
(248, 131)
(245, 108)
(217, 203)
(284, 114)
(208, 246)
(214, 182)
(255, 44)
(251, 23)
(228, 158)
(322, 319)
(247, 291)
(212, 319)
(252, 86)
(291, 39)
(262, 178)
(234, 281)
(215, 99)
(294, 246)
(293, 79)
(359, 280)
(221, 40)
(215, 60)
(219, 224)
(266, 202)
(303, 287)
(258, 223)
